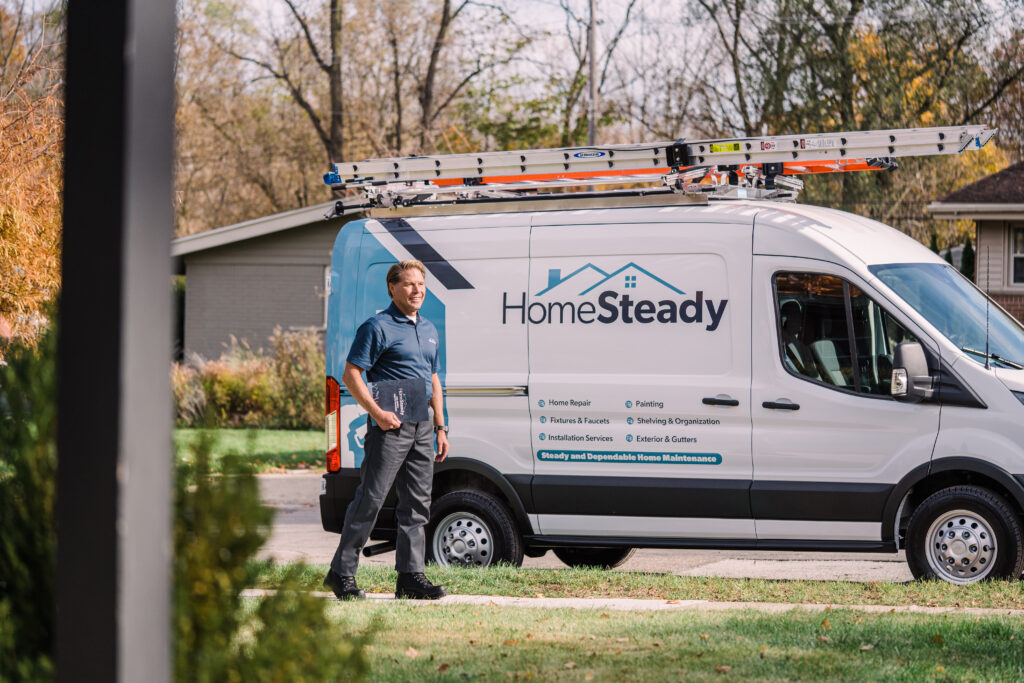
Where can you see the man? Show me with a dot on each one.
(395, 344)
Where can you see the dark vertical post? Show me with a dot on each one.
(114, 458)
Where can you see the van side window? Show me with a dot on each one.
(831, 332)
(876, 333)
(814, 335)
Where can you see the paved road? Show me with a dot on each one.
(298, 535)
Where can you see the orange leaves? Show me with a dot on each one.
(31, 132)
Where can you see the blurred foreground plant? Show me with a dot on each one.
(27, 488)
(220, 524)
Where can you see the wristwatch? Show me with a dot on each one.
(442, 428)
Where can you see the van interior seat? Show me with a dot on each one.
(825, 353)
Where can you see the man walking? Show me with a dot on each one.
(395, 344)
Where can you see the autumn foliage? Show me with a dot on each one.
(31, 130)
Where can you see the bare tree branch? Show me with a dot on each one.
(309, 38)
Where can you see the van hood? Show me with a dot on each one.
(1013, 379)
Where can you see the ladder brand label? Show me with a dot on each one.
(592, 154)
(725, 146)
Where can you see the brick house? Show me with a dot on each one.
(996, 205)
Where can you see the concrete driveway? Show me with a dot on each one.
(298, 535)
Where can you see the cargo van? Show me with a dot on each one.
(662, 371)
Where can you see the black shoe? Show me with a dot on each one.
(344, 587)
(417, 587)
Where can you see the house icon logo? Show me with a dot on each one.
(589, 277)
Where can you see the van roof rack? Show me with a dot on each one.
(763, 167)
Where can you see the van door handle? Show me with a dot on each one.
(777, 405)
(712, 401)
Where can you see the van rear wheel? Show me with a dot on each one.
(965, 534)
(472, 529)
(603, 558)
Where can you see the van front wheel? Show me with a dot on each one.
(472, 529)
(603, 558)
(965, 534)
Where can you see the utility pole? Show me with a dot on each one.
(592, 56)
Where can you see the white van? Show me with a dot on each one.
(664, 373)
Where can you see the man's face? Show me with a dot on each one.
(408, 293)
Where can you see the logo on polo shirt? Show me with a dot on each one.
(431, 340)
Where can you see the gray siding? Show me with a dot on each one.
(248, 288)
(991, 273)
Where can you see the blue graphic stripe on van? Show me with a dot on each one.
(421, 250)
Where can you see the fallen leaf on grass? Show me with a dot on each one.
(865, 648)
(619, 651)
(443, 668)
(529, 635)
(588, 677)
(823, 639)
(511, 641)
(937, 639)
(939, 669)
(412, 653)
(826, 625)
(723, 668)
(492, 603)
(605, 615)
(570, 665)
(705, 636)
(656, 644)
(671, 602)
(540, 595)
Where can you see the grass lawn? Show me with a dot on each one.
(596, 583)
(459, 642)
(266, 449)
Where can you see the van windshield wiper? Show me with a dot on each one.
(995, 357)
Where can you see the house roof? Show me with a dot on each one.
(257, 227)
(999, 196)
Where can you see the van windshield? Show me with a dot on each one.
(951, 303)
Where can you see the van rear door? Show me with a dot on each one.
(639, 354)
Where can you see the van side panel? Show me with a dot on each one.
(471, 261)
(639, 377)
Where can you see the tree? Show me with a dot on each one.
(967, 264)
(31, 130)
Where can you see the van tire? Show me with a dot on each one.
(967, 516)
(480, 531)
(601, 558)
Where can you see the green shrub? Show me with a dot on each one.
(246, 388)
(220, 524)
(299, 371)
(27, 490)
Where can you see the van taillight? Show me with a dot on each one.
(332, 426)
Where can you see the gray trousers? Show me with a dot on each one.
(405, 457)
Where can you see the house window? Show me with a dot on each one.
(1017, 250)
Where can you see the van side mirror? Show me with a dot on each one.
(911, 382)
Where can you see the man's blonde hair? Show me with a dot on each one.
(395, 271)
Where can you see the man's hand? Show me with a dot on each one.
(387, 420)
(442, 447)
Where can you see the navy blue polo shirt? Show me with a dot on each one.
(391, 346)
